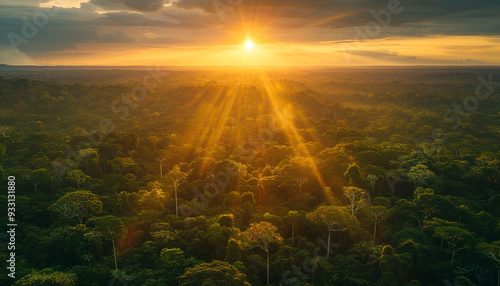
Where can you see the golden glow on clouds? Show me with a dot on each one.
(63, 3)
(137, 32)
(443, 50)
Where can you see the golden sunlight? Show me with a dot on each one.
(249, 45)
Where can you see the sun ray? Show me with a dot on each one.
(290, 129)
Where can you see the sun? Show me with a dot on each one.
(249, 45)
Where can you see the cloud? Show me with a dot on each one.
(141, 24)
(434, 16)
(23, 3)
(137, 20)
(115, 37)
(139, 5)
(145, 5)
(397, 59)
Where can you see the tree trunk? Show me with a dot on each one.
(267, 267)
(161, 171)
(176, 205)
(375, 229)
(293, 231)
(114, 254)
(452, 258)
(328, 249)
(419, 223)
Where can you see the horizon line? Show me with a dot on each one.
(311, 66)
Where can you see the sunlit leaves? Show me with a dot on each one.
(261, 235)
(161, 232)
(420, 175)
(48, 278)
(333, 217)
(214, 273)
(79, 204)
(357, 199)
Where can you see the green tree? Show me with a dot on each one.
(154, 140)
(173, 264)
(111, 228)
(78, 177)
(492, 251)
(175, 177)
(420, 175)
(458, 239)
(354, 175)
(333, 216)
(349, 271)
(215, 273)
(357, 199)
(154, 199)
(47, 277)
(292, 216)
(261, 235)
(162, 233)
(79, 204)
(376, 213)
(41, 178)
(233, 251)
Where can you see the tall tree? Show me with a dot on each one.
(261, 235)
(111, 228)
(292, 216)
(332, 216)
(154, 139)
(376, 213)
(458, 239)
(41, 178)
(175, 177)
(357, 199)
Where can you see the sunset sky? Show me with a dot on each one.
(283, 32)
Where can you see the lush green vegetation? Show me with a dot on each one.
(317, 177)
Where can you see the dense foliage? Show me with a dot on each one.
(318, 177)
